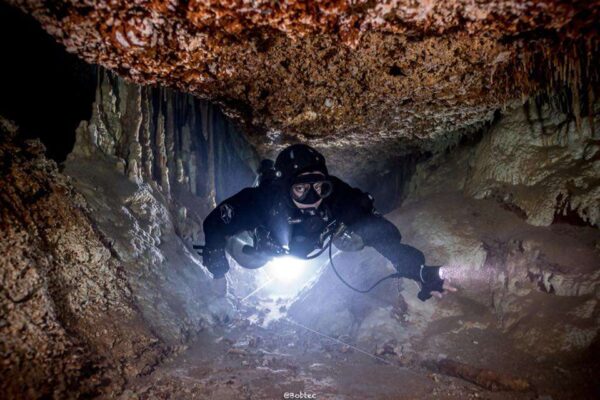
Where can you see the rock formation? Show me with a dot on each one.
(99, 281)
(363, 77)
(537, 162)
(62, 289)
(476, 125)
(513, 217)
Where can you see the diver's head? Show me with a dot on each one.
(302, 169)
(308, 189)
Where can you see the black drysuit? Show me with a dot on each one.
(269, 207)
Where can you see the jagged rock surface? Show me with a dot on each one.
(530, 292)
(364, 77)
(97, 281)
(184, 147)
(524, 306)
(541, 163)
(70, 324)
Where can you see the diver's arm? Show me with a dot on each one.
(379, 233)
(236, 214)
(357, 210)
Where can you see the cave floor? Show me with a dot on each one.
(257, 363)
(248, 361)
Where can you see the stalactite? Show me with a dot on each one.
(145, 134)
(161, 147)
(169, 138)
(131, 143)
(189, 158)
(564, 74)
(208, 131)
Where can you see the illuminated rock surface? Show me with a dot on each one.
(474, 123)
(360, 79)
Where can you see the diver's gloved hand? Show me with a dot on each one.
(430, 282)
(215, 261)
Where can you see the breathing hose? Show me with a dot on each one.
(390, 276)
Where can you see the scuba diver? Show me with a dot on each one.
(297, 209)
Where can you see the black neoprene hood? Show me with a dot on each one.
(299, 158)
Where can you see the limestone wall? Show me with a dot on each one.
(99, 280)
(541, 163)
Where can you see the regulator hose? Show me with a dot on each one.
(390, 276)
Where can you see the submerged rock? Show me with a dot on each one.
(513, 282)
(540, 165)
(65, 303)
(344, 75)
(97, 278)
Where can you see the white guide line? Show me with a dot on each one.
(257, 289)
(339, 341)
(316, 332)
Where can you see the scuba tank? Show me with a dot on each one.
(265, 173)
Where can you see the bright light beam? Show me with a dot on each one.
(286, 269)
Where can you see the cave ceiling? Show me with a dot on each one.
(360, 75)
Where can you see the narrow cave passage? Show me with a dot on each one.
(130, 136)
(45, 90)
